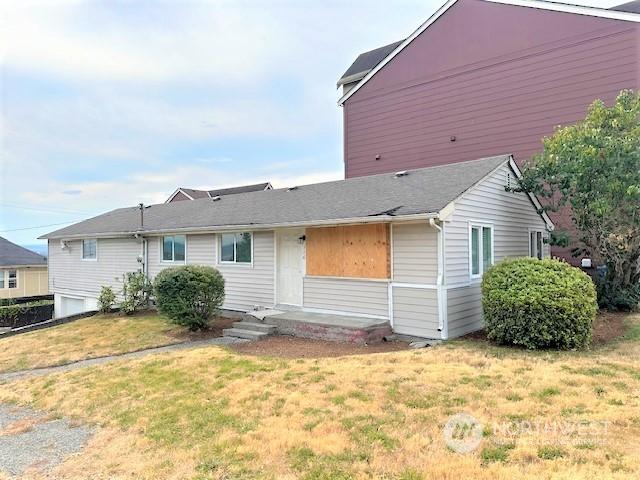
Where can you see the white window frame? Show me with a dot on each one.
(480, 225)
(95, 259)
(161, 250)
(536, 230)
(8, 283)
(235, 255)
(2, 278)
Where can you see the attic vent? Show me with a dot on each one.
(216, 198)
(508, 181)
(402, 173)
(290, 189)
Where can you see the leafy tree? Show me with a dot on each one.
(594, 167)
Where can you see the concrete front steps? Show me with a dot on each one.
(249, 330)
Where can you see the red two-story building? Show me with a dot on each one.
(485, 77)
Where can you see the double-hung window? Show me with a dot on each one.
(236, 247)
(1, 279)
(90, 249)
(480, 249)
(13, 278)
(535, 244)
(174, 248)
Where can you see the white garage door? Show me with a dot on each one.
(71, 306)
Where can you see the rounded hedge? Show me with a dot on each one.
(189, 295)
(538, 304)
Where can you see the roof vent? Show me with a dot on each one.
(401, 173)
(290, 189)
(216, 198)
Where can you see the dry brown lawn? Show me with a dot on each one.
(87, 338)
(215, 413)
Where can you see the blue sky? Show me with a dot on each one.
(107, 104)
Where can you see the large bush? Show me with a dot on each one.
(538, 304)
(189, 295)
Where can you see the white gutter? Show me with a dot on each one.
(442, 328)
(254, 227)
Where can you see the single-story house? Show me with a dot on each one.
(408, 247)
(23, 273)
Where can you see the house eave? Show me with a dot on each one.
(250, 226)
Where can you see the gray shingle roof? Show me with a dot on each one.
(629, 7)
(422, 191)
(365, 62)
(195, 193)
(15, 255)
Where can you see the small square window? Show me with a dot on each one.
(90, 249)
(174, 248)
(236, 247)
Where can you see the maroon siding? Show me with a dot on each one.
(496, 77)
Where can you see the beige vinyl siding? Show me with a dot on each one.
(355, 296)
(511, 214)
(249, 286)
(415, 312)
(32, 281)
(68, 273)
(464, 310)
(246, 286)
(415, 253)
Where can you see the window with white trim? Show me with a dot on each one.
(480, 249)
(174, 248)
(13, 278)
(236, 247)
(90, 249)
(2, 279)
(536, 244)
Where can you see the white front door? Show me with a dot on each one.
(290, 267)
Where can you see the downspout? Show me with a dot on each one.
(440, 279)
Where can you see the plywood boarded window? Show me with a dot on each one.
(357, 251)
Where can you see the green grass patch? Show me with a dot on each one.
(550, 452)
(496, 453)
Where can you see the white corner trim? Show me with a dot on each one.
(575, 9)
(542, 5)
(534, 199)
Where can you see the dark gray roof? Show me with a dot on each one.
(367, 61)
(422, 191)
(15, 255)
(630, 7)
(195, 193)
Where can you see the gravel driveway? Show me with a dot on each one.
(30, 439)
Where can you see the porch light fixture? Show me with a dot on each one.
(301, 239)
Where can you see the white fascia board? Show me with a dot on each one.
(438, 13)
(255, 227)
(542, 5)
(534, 199)
(179, 190)
(575, 9)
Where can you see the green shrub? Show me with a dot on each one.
(106, 300)
(613, 296)
(189, 295)
(538, 304)
(136, 292)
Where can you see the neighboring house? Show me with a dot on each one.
(483, 77)
(192, 194)
(409, 248)
(23, 273)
